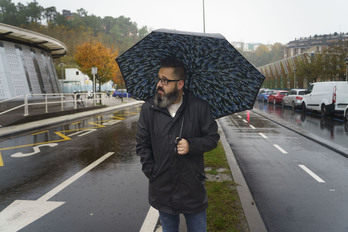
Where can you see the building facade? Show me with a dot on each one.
(26, 62)
(313, 44)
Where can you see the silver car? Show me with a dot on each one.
(294, 98)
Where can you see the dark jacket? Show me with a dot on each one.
(176, 182)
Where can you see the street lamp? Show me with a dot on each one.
(203, 18)
(346, 61)
(294, 78)
(61, 66)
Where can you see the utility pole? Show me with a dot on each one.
(346, 61)
(203, 18)
(61, 66)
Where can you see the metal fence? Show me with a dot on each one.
(62, 101)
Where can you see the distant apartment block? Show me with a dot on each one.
(246, 47)
(313, 44)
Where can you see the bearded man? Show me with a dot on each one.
(175, 128)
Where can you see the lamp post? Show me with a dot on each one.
(294, 78)
(61, 66)
(203, 18)
(346, 61)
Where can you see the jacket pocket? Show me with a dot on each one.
(153, 174)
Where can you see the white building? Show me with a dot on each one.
(75, 80)
(26, 65)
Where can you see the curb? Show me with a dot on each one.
(251, 211)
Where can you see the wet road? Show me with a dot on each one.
(332, 128)
(297, 184)
(82, 176)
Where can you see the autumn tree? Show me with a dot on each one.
(95, 54)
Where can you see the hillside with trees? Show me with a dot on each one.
(73, 28)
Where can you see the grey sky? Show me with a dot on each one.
(265, 21)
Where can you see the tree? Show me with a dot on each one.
(34, 11)
(50, 14)
(95, 54)
(8, 12)
(325, 66)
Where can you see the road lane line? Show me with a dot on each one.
(65, 138)
(252, 127)
(239, 116)
(150, 221)
(69, 181)
(1, 161)
(40, 132)
(280, 149)
(312, 174)
(263, 136)
(245, 121)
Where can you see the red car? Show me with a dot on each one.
(277, 96)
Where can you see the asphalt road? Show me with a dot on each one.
(297, 184)
(81, 176)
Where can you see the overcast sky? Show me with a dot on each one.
(264, 21)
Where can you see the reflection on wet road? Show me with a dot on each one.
(332, 128)
(111, 196)
(296, 183)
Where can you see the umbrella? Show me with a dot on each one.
(216, 71)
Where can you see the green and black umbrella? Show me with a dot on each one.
(216, 71)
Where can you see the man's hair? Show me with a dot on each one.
(179, 67)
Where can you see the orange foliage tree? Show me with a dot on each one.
(95, 54)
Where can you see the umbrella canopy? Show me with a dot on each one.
(216, 71)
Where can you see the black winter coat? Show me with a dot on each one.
(176, 182)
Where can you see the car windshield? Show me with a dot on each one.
(301, 92)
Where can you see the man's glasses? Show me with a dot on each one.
(165, 81)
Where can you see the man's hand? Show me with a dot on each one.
(183, 147)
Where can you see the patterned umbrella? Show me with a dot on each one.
(216, 71)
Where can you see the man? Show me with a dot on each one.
(174, 130)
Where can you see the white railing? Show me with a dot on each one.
(77, 100)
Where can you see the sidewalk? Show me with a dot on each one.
(39, 119)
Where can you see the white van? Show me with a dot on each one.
(326, 97)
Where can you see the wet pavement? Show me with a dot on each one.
(112, 196)
(332, 129)
(297, 180)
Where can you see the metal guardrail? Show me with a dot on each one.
(65, 100)
(78, 100)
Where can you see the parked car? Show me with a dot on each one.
(326, 97)
(294, 98)
(121, 93)
(264, 94)
(277, 96)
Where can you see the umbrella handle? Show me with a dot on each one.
(177, 140)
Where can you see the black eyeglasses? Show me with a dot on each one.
(165, 81)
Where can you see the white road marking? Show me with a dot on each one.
(280, 149)
(150, 221)
(312, 174)
(245, 121)
(74, 177)
(263, 136)
(35, 148)
(239, 116)
(252, 127)
(83, 132)
(21, 213)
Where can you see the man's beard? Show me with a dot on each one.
(163, 101)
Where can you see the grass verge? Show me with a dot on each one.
(225, 212)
